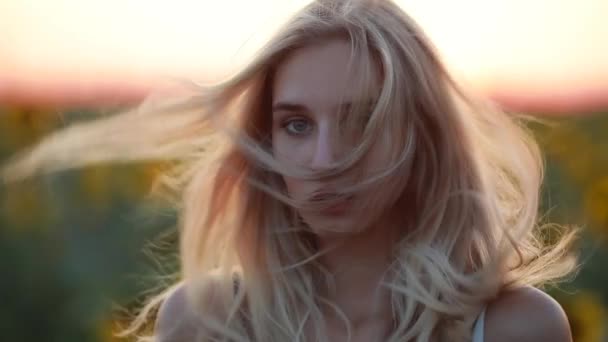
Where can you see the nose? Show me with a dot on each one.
(325, 149)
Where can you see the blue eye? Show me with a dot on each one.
(297, 126)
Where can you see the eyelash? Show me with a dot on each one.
(285, 125)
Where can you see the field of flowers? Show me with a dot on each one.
(76, 246)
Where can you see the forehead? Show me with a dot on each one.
(317, 76)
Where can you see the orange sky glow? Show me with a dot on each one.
(533, 54)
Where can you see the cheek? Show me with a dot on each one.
(287, 153)
(290, 152)
(378, 158)
(295, 188)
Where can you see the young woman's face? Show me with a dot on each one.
(310, 88)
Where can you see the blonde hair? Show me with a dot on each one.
(465, 175)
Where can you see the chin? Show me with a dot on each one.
(332, 226)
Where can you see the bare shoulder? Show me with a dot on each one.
(526, 314)
(176, 320)
(179, 319)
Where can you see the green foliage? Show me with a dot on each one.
(72, 244)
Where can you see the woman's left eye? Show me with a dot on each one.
(297, 126)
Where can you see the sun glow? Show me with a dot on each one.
(495, 45)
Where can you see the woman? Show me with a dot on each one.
(342, 187)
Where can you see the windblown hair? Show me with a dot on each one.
(463, 177)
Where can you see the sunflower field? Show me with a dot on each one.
(80, 248)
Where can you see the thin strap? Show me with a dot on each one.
(478, 333)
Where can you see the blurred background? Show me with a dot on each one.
(76, 247)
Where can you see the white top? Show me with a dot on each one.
(478, 328)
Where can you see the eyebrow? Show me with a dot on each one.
(289, 107)
(296, 107)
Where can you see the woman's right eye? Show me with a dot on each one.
(297, 126)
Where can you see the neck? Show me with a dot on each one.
(358, 264)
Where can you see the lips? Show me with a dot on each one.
(325, 196)
(339, 207)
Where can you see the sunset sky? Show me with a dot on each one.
(534, 53)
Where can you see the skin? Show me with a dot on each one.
(307, 96)
(313, 78)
